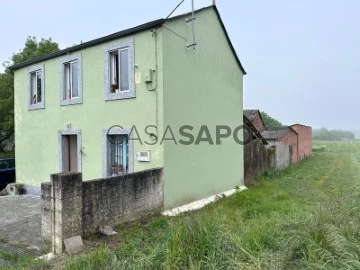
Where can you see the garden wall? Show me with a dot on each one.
(71, 207)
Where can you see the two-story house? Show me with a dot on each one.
(141, 98)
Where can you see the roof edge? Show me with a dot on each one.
(297, 124)
(228, 39)
(126, 32)
(257, 132)
(90, 43)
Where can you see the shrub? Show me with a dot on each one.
(318, 148)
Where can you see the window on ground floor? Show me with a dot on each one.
(117, 152)
(118, 155)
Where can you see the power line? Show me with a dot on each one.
(172, 31)
(167, 17)
(175, 9)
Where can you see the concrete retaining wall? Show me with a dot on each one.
(71, 207)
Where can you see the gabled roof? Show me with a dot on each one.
(253, 129)
(251, 114)
(147, 26)
(276, 133)
(228, 40)
(90, 43)
(300, 125)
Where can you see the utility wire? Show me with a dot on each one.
(175, 9)
(170, 14)
(172, 31)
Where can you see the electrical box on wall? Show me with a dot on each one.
(148, 75)
(143, 155)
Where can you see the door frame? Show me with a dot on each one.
(62, 151)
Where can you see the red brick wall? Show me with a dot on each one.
(258, 123)
(305, 140)
(291, 138)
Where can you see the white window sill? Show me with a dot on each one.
(120, 95)
(37, 106)
(72, 101)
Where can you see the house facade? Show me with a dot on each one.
(137, 99)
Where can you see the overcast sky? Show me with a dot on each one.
(302, 57)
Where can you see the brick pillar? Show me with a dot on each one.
(66, 189)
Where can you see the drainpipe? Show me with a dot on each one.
(154, 34)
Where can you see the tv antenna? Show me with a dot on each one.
(192, 20)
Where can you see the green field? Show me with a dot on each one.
(305, 217)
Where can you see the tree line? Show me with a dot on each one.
(269, 121)
(332, 135)
(318, 134)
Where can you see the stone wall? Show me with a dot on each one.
(71, 207)
(121, 199)
(46, 216)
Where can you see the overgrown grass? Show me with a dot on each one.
(304, 217)
(21, 261)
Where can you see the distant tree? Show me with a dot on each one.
(332, 135)
(269, 121)
(32, 49)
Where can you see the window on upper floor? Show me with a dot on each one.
(71, 80)
(119, 71)
(36, 88)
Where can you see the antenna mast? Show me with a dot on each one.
(192, 20)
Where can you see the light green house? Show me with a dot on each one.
(138, 99)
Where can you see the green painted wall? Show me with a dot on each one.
(201, 87)
(194, 87)
(37, 131)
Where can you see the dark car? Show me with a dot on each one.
(7, 172)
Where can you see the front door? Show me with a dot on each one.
(70, 153)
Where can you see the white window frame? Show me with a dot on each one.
(64, 84)
(69, 79)
(39, 104)
(109, 67)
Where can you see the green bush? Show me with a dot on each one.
(319, 148)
